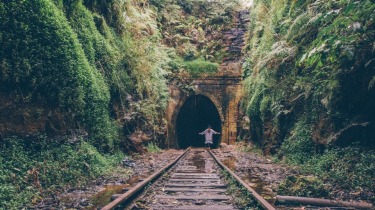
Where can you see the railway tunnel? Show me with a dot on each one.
(194, 116)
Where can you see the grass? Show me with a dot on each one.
(198, 68)
(153, 148)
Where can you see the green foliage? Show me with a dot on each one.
(195, 28)
(82, 56)
(309, 73)
(299, 147)
(36, 166)
(253, 107)
(352, 167)
(304, 186)
(43, 60)
(86, 59)
(265, 107)
(298, 64)
(133, 61)
(153, 148)
(198, 68)
(42, 26)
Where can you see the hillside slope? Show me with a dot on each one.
(309, 88)
(79, 82)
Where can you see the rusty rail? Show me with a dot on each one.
(323, 202)
(254, 194)
(140, 186)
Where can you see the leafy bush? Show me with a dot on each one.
(309, 72)
(350, 167)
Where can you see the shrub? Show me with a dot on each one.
(153, 147)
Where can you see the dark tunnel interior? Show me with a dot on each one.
(195, 115)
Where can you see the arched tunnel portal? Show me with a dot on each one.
(195, 115)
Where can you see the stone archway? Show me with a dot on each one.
(223, 92)
(196, 113)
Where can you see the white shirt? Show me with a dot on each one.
(208, 135)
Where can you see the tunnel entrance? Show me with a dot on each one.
(195, 115)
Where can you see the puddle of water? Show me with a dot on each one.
(260, 186)
(199, 162)
(133, 180)
(202, 164)
(230, 162)
(103, 197)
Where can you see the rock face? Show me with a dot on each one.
(27, 118)
(234, 38)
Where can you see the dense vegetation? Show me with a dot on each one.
(68, 57)
(81, 80)
(83, 64)
(309, 93)
(194, 28)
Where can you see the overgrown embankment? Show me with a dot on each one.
(196, 30)
(79, 81)
(80, 62)
(309, 91)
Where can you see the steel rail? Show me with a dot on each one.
(323, 202)
(254, 194)
(140, 186)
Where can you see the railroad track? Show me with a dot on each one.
(198, 180)
(195, 180)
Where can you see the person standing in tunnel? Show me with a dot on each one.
(208, 136)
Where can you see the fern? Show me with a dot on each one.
(372, 83)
